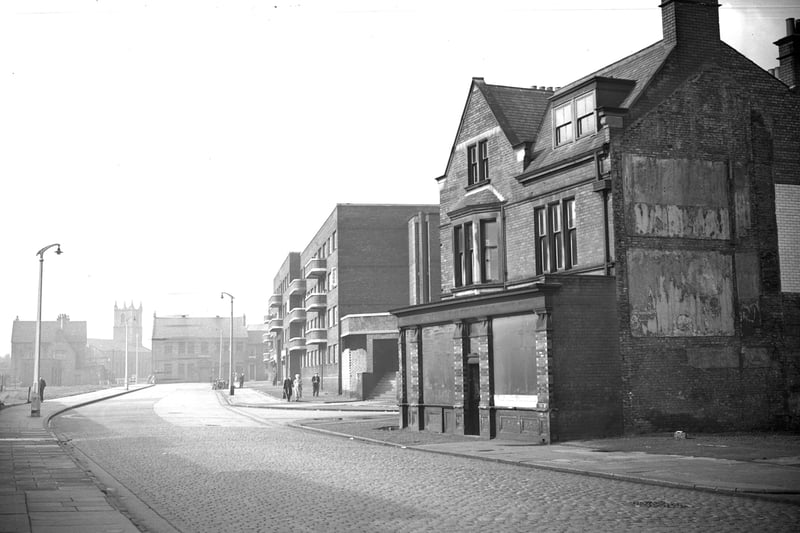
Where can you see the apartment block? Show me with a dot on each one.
(328, 313)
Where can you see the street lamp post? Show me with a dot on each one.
(230, 352)
(126, 353)
(220, 355)
(137, 356)
(36, 399)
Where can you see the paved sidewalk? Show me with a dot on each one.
(773, 480)
(42, 488)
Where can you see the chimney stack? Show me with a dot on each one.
(788, 70)
(692, 26)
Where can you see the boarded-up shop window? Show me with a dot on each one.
(514, 344)
(438, 374)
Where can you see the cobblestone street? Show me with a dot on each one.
(216, 470)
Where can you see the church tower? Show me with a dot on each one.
(133, 317)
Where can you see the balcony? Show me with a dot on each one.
(266, 338)
(316, 302)
(276, 300)
(317, 336)
(297, 286)
(298, 314)
(316, 268)
(297, 344)
(275, 324)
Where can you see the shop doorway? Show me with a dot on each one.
(472, 396)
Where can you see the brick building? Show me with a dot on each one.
(619, 254)
(328, 313)
(197, 349)
(62, 360)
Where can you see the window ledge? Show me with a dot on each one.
(475, 289)
(478, 185)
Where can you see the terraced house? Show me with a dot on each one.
(619, 254)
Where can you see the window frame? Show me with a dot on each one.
(570, 233)
(472, 164)
(463, 249)
(556, 236)
(478, 162)
(564, 125)
(489, 259)
(483, 160)
(567, 130)
(590, 114)
(472, 247)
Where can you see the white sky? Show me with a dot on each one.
(181, 148)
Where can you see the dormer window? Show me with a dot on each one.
(582, 109)
(563, 124)
(477, 162)
(584, 113)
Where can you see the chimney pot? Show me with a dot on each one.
(790, 26)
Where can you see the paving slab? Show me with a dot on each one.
(43, 489)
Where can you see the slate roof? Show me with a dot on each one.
(197, 327)
(518, 110)
(24, 331)
(482, 197)
(639, 67)
(107, 345)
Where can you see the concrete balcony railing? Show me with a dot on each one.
(297, 344)
(275, 324)
(316, 302)
(316, 268)
(317, 336)
(276, 300)
(298, 314)
(297, 286)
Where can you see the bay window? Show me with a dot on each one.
(462, 248)
(476, 252)
(490, 259)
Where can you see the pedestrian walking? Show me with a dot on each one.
(287, 389)
(298, 388)
(315, 384)
(241, 380)
(42, 385)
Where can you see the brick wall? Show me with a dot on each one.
(585, 360)
(719, 108)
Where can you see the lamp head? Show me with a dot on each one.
(58, 250)
(222, 296)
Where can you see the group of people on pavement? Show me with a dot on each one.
(293, 388)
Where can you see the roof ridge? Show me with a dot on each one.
(532, 88)
(609, 66)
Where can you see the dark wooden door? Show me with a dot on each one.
(473, 399)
